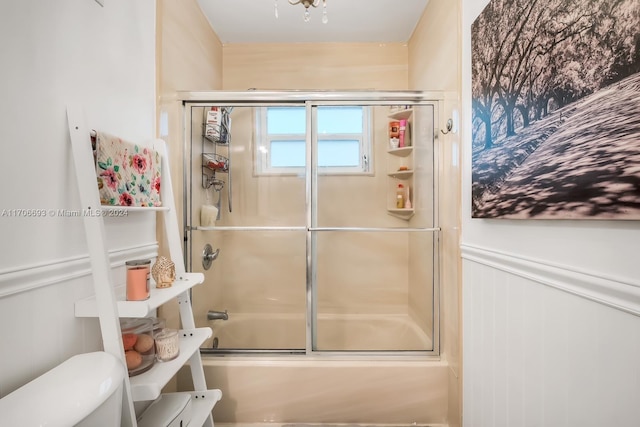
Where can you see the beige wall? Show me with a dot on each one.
(338, 66)
(189, 52)
(434, 48)
(434, 64)
(189, 57)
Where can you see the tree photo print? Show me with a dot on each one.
(556, 110)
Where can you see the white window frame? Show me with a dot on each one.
(262, 145)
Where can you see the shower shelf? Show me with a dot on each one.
(401, 151)
(148, 385)
(217, 130)
(401, 212)
(89, 307)
(215, 162)
(404, 174)
(215, 140)
(400, 167)
(402, 114)
(201, 404)
(134, 208)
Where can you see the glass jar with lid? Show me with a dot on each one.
(139, 345)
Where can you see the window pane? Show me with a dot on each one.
(286, 120)
(339, 119)
(287, 154)
(338, 153)
(342, 139)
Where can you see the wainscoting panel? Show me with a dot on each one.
(40, 329)
(543, 354)
(24, 278)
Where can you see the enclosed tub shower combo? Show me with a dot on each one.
(314, 218)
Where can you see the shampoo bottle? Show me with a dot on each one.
(400, 197)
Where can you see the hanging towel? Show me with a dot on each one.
(128, 174)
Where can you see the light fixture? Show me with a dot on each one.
(307, 4)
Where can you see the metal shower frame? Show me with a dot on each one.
(310, 99)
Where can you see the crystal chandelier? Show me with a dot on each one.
(307, 4)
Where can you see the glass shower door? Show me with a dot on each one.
(374, 259)
(253, 296)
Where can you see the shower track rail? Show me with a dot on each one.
(351, 229)
(417, 355)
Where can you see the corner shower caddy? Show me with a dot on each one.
(397, 158)
(108, 306)
(213, 163)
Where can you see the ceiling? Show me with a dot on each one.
(254, 21)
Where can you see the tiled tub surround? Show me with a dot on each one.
(300, 389)
(335, 332)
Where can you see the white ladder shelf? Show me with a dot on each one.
(108, 306)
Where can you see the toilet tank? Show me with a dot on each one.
(84, 390)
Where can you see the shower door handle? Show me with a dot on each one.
(229, 186)
(229, 196)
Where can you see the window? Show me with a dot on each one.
(344, 142)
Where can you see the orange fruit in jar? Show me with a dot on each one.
(129, 340)
(133, 358)
(144, 343)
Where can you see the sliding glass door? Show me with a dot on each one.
(324, 214)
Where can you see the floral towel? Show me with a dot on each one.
(128, 174)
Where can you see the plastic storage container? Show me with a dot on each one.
(139, 345)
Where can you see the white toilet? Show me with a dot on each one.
(83, 391)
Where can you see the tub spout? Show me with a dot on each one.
(217, 315)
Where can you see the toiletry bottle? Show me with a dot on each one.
(394, 129)
(402, 131)
(400, 197)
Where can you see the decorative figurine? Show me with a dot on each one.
(163, 272)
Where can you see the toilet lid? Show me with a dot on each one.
(66, 394)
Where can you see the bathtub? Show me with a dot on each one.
(335, 332)
(323, 388)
